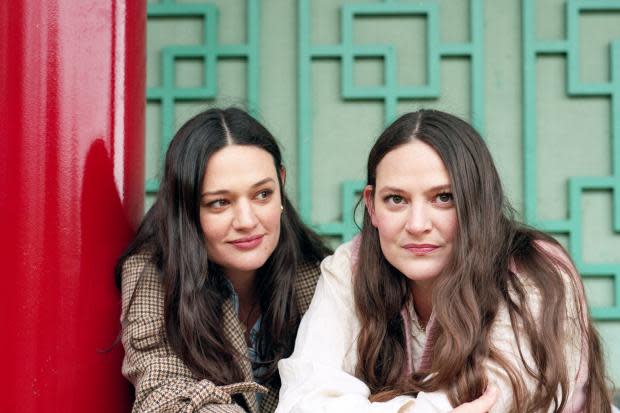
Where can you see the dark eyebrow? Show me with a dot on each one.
(224, 191)
(446, 187)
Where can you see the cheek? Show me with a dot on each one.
(204, 223)
(271, 218)
(449, 226)
(388, 224)
(212, 226)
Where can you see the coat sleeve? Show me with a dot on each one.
(163, 383)
(319, 375)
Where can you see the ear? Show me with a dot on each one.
(283, 176)
(370, 204)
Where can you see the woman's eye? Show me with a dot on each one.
(217, 204)
(395, 199)
(444, 197)
(262, 195)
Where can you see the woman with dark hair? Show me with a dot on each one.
(219, 274)
(443, 294)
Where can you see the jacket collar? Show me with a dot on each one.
(234, 332)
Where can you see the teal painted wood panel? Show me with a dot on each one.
(389, 92)
(540, 80)
(209, 52)
(572, 225)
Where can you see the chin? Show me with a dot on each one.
(256, 262)
(419, 273)
(251, 265)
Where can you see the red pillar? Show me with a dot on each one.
(72, 82)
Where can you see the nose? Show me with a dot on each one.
(419, 219)
(245, 217)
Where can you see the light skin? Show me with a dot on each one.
(241, 199)
(412, 207)
(240, 210)
(481, 405)
(413, 210)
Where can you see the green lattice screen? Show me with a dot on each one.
(569, 47)
(348, 53)
(389, 93)
(209, 53)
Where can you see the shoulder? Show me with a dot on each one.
(574, 293)
(334, 267)
(136, 266)
(557, 257)
(141, 286)
(339, 266)
(558, 282)
(337, 273)
(307, 276)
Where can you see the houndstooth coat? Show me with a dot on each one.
(162, 381)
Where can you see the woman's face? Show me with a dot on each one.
(413, 211)
(240, 208)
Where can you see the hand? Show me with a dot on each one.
(481, 405)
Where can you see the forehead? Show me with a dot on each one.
(238, 164)
(412, 164)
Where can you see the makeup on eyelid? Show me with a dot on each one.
(240, 208)
(413, 210)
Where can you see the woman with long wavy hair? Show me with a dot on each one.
(443, 294)
(219, 274)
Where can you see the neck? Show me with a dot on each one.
(243, 283)
(422, 292)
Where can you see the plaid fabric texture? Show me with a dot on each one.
(162, 381)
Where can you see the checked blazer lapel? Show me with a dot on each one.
(234, 332)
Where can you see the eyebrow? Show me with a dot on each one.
(432, 189)
(224, 191)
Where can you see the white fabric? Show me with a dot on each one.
(318, 377)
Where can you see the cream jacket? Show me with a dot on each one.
(319, 375)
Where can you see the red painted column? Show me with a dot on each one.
(72, 82)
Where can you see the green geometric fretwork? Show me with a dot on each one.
(209, 52)
(572, 225)
(389, 93)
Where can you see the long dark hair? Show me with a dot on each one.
(467, 295)
(195, 288)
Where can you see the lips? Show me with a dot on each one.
(247, 243)
(421, 249)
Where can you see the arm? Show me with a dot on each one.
(162, 381)
(504, 340)
(483, 404)
(319, 374)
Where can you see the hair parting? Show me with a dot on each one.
(497, 265)
(195, 289)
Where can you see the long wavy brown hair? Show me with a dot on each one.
(194, 287)
(468, 294)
